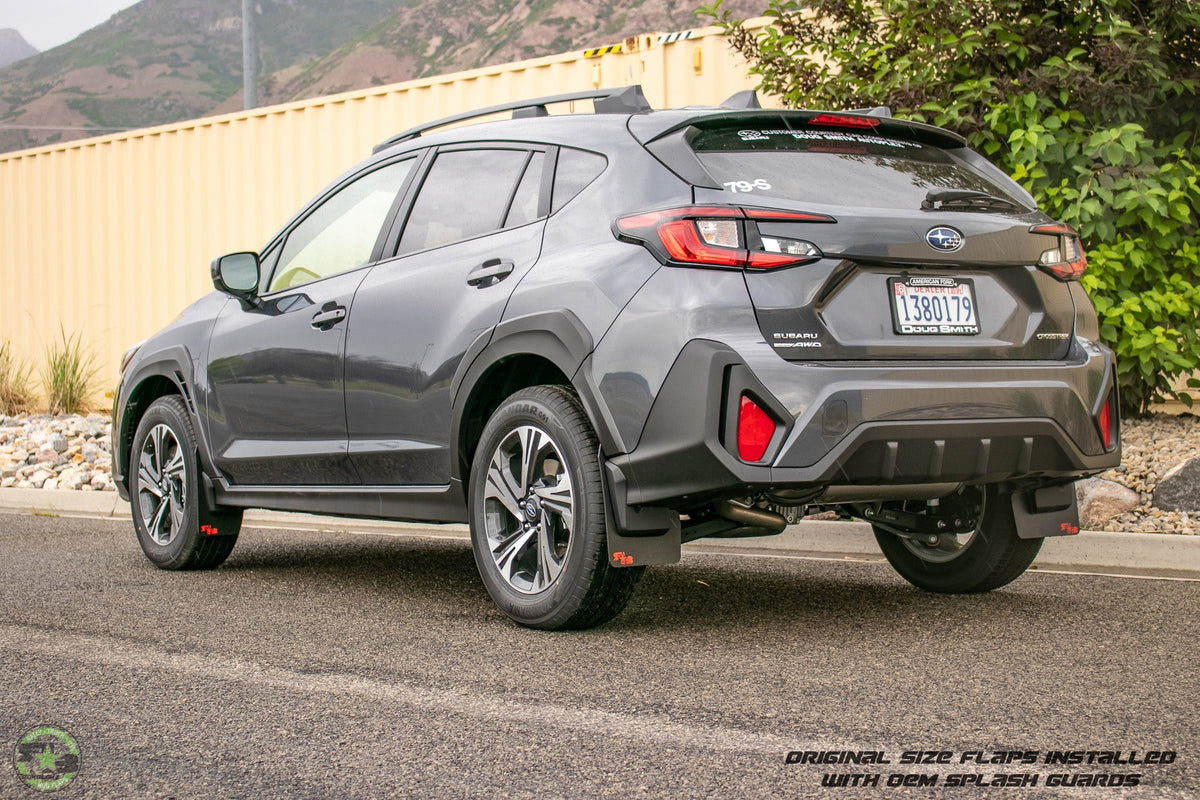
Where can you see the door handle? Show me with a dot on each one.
(489, 272)
(328, 316)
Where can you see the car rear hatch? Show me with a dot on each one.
(905, 244)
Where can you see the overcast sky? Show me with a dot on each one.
(49, 23)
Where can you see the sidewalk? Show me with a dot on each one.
(1141, 554)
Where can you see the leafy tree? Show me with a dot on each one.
(1092, 105)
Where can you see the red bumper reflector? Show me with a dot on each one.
(755, 430)
(1106, 425)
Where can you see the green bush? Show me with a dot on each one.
(68, 375)
(1092, 105)
(16, 397)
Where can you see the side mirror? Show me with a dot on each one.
(236, 274)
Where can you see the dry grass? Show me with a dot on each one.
(16, 395)
(68, 375)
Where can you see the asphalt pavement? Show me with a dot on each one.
(1102, 552)
(360, 661)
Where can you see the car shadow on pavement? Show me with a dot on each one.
(712, 592)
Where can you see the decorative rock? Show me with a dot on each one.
(64, 452)
(70, 479)
(1179, 489)
(1101, 501)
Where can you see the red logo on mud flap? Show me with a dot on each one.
(1069, 529)
(623, 559)
(208, 530)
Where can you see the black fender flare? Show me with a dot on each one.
(560, 338)
(174, 365)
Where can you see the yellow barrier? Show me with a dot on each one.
(111, 237)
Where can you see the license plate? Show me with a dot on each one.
(933, 305)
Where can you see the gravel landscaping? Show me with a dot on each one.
(45, 452)
(74, 452)
(1150, 447)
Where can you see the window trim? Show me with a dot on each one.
(391, 245)
(512, 196)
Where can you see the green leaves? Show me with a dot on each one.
(1095, 110)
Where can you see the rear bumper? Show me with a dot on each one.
(844, 430)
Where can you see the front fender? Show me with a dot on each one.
(151, 376)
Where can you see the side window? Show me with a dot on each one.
(340, 234)
(575, 170)
(524, 208)
(465, 194)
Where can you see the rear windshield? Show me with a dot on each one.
(842, 167)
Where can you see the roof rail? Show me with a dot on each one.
(623, 100)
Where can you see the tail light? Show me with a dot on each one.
(1066, 261)
(755, 429)
(720, 236)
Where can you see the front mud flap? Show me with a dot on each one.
(1050, 511)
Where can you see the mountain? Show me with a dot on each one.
(432, 37)
(162, 61)
(13, 47)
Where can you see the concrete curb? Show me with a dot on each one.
(1137, 553)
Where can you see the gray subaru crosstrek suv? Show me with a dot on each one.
(596, 336)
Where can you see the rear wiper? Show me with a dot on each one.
(965, 200)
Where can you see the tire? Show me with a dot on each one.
(991, 556)
(174, 528)
(537, 515)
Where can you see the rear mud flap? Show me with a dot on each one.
(637, 537)
(1050, 511)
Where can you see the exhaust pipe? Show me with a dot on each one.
(751, 521)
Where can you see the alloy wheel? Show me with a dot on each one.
(162, 484)
(528, 509)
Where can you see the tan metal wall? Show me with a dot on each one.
(111, 237)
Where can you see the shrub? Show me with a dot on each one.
(1092, 105)
(69, 372)
(16, 396)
